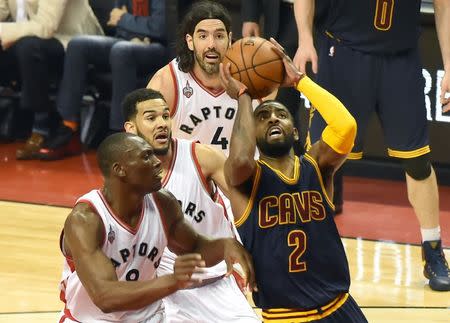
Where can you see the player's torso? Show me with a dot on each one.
(201, 206)
(202, 209)
(200, 114)
(292, 236)
(383, 26)
(135, 253)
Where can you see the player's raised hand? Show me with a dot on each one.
(250, 28)
(185, 269)
(306, 52)
(445, 92)
(234, 252)
(230, 84)
(292, 75)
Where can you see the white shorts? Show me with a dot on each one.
(158, 317)
(221, 301)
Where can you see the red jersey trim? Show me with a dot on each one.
(117, 218)
(173, 109)
(172, 162)
(210, 92)
(202, 177)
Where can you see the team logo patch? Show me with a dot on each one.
(111, 235)
(331, 52)
(188, 90)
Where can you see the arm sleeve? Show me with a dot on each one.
(340, 131)
(153, 26)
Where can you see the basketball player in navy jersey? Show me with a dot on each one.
(369, 58)
(114, 238)
(283, 204)
(199, 170)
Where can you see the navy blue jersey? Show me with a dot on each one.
(375, 26)
(289, 229)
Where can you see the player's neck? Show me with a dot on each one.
(284, 164)
(166, 159)
(209, 81)
(125, 203)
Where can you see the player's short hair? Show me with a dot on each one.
(111, 149)
(199, 11)
(270, 102)
(129, 104)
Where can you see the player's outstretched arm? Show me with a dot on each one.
(442, 17)
(339, 135)
(240, 164)
(184, 239)
(306, 52)
(83, 237)
(212, 162)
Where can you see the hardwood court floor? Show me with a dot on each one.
(386, 276)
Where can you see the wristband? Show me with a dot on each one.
(242, 90)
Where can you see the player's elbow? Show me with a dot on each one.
(101, 299)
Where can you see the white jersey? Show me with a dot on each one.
(135, 254)
(205, 211)
(200, 114)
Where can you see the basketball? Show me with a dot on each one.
(256, 64)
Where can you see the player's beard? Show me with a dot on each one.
(276, 149)
(210, 69)
(158, 151)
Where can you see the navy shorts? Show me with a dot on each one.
(390, 85)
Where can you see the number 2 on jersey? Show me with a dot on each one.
(223, 141)
(383, 14)
(297, 239)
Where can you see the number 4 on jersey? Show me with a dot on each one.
(222, 141)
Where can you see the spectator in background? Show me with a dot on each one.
(137, 49)
(34, 35)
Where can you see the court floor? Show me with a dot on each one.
(380, 230)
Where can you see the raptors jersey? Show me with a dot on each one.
(200, 114)
(204, 210)
(135, 254)
(290, 232)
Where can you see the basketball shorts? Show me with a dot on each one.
(340, 310)
(221, 301)
(392, 86)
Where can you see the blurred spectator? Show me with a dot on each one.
(33, 37)
(137, 49)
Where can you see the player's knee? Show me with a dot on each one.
(418, 168)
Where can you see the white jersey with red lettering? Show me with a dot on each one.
(203, 209)
(135, 254)
(200, 114)
(217, 298)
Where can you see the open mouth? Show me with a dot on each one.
(162, 138)
(212, 57)
(274, 132)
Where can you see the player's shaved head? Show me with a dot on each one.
(112, 150)
(272, 103)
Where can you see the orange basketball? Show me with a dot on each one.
(254, 63)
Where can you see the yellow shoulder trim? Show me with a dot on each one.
(251, 200)
(319, 174)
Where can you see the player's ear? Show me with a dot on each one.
(189, 42)
(118, 170)
(296, 135)
(130, 127)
